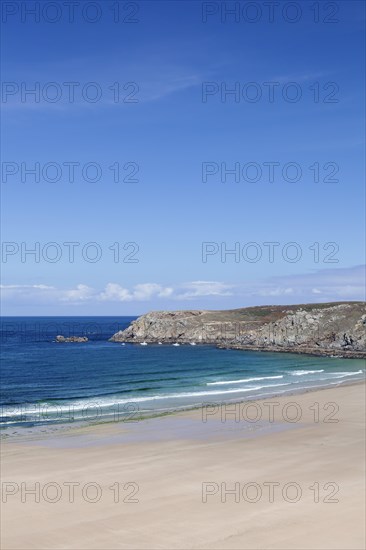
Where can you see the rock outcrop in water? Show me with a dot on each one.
(321, 329)
(77, 339)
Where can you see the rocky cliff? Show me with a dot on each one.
(322, 329)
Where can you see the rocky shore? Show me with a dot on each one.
(337, 328)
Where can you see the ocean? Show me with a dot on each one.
(44, 383)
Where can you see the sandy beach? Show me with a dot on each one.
(285, 473)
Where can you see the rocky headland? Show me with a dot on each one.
(337, 328)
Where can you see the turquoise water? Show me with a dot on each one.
(47, 383)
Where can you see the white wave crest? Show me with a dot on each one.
(257, 379)
(303, 372)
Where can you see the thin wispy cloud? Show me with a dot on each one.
(301, 77)
(327, 284)
(153, 80)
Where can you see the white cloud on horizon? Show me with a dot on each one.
(204, 288)
(330, 284)
(144, 291)
(113, 292)
(334, 284)
(276, 292)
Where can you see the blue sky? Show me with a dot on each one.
(165, 136)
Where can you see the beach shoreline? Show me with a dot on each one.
(44, 431)
(188, 469)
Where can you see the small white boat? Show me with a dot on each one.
(160, 343)
(193, 343)
(143, 343)
(176, 344)
(123, 344)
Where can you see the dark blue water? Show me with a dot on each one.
(44, 382)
